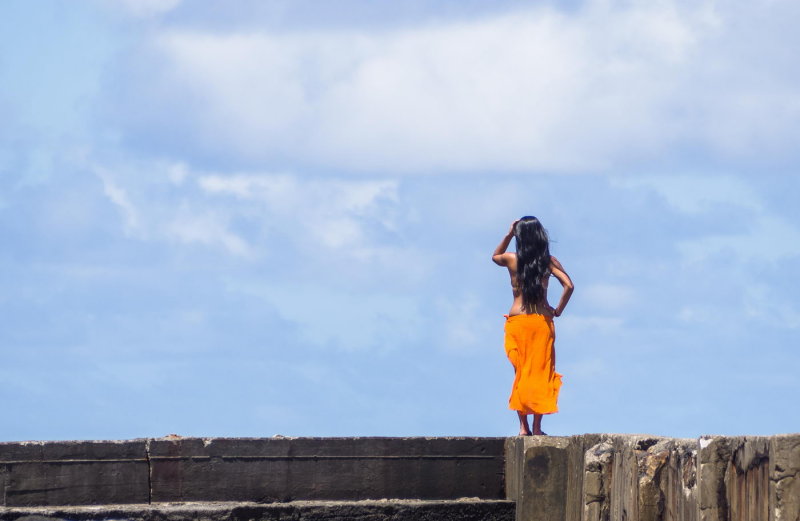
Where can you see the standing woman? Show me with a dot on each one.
(530, 334)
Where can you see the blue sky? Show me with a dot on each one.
(276, 217)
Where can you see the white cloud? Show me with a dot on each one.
(208, 229)
(328, 210)
(143, 8)
(177, 173)
(117, 195)
(245, 214)
(535, 89)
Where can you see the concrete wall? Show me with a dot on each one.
(69, 473)
(591, 477)
(261, 470)
(596, 477)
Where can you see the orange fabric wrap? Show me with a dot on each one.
(530, 347)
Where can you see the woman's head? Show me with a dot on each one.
(533, 260)
(530, 233)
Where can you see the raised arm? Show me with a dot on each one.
(558, 272)
(500, 257)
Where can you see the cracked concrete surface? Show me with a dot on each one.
(254, 469)
(591, 477)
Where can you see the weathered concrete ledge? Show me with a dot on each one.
(602, 477)
(591, 477)
(368, 510)
(249, 469)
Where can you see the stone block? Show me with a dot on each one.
(734, 478)
(747, 479)
(514, 454)
(576, 452)
(633, 477)
(74, 473)
(784, 476)
(667, 480)
(285, 469)
(597, 475)
(545, 475)
(625, 476)
(544, 481)
(713, 457)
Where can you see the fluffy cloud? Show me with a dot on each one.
(244, 214)
(534, 89)
(329, 212)
(119, 197)
(142, 8)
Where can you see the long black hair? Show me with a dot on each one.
(533, 260)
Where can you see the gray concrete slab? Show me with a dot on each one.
(286, 469)
(544, 484)
(591, 477)
(74, 472)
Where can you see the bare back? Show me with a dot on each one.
(542, 307)
(501, 257)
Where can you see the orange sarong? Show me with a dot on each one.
(530, 347)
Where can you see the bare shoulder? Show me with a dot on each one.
(505, 259)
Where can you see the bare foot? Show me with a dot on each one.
(523, 432)
(539, 433)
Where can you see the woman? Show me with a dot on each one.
(530, 333)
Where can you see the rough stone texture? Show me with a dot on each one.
(747, 480)
(576, 455)
(591, 477)
(625, 476)
(605, 478)
(544, 488)
(598, 467)
(713, 456)
(667, 479)
(387, 510)
(74, 473)
(734, 478)
(611, 477)
(286, 469)
(543, 491)
(513, 470)
(784, 477)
